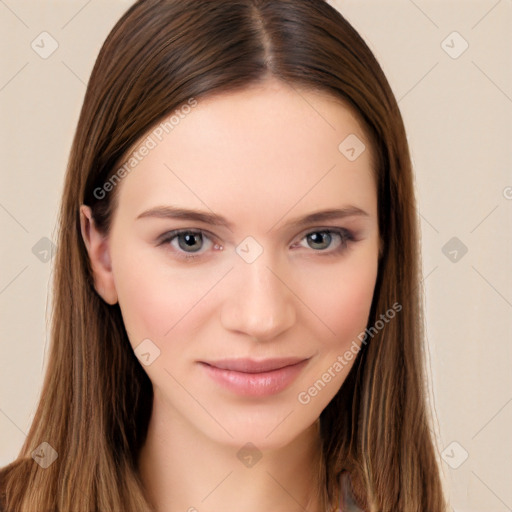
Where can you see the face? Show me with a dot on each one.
(213, 309)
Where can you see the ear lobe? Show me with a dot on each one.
(97, 246)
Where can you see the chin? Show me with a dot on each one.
(269, 431)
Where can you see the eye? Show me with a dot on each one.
(320, 240)
(188, 243)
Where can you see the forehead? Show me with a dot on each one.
(263, 149)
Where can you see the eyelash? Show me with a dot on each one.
(346, 237)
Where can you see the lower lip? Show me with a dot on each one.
(255, 384)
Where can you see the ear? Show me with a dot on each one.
(97, 246)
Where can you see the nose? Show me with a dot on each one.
(260, 303)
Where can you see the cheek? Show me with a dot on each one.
(343, 307)
(354, 304)
(344, 302)
(155, 303)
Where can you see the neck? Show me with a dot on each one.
(183, 470)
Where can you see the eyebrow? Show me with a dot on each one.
(174, 212)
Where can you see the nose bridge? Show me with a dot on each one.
(261, 305)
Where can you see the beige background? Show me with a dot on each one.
(458, 114)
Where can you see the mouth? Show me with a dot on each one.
(254, 366)
(255, 378)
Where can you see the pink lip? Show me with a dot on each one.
(255, 378)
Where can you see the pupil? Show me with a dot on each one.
(318, 237)
(190, 239)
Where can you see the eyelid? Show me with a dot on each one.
(330, 229)
(169, 235)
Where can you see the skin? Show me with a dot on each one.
(259, 157)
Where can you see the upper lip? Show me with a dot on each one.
(254, 366)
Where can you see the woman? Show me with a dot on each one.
(277, 365)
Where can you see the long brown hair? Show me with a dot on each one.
(96, 399)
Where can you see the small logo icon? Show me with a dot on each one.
(454, 455)
(249, 455)
(44, 249)
(454, 250)
(44, 455)
(352, 147)
(249, 249)
(454, 45)
(44, 45)
(147, 352)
